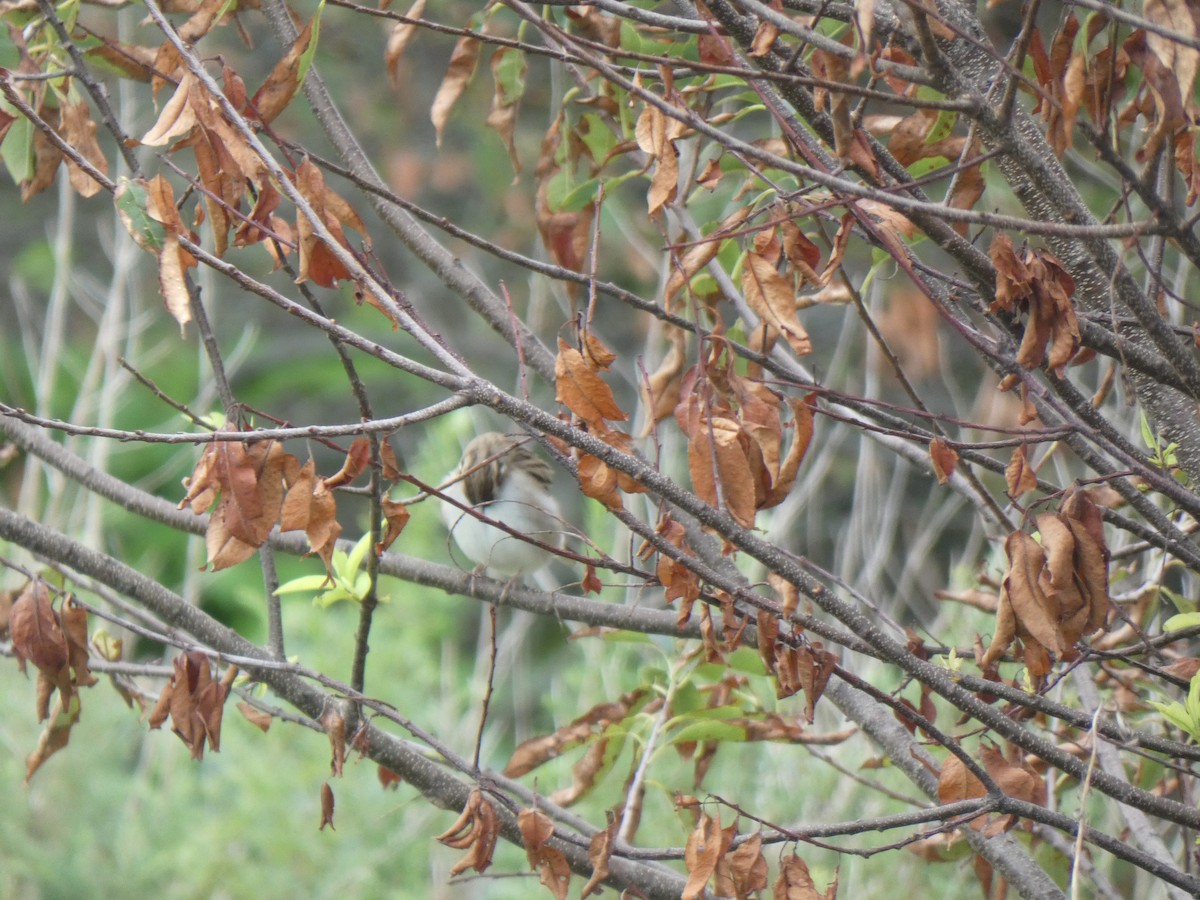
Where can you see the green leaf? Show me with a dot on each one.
(596, 136)
(942, 127)
(305, 584)
(359, 552)
(580, 197)
(687, 699)
(310, 51)
(1181, 621)
(746, 660)
(709, 731)
(1148, 436)
(625, 637)
(509, 68)
(133, 205)
(1176, 715)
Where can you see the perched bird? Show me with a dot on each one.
(504, 480)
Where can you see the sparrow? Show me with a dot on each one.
(506, 481)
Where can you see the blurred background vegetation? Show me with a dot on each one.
(123, 812)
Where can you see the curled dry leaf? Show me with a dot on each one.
(656, 134)
(80, 132)
(700, 254)
(720, 468)
(705, 846)
(194, 703)
(1019, 474)
(334, 724)
(256, 717)
(55, 734)
(536, 830)
(600, 850)
(177, 118)
(661, 389)
(319, 262)
(581, 389)
(57, 644)
(475, 830)
(459, 72)
(1056, 592)
(398, 41)
(1037, 283)
(358, 457)
(795, 882)
(284, 80)
(944, 458)
(326, 807)
(534, 752)
(388, 779)
(396, 516)
(742, 872)
(956, 782)
(679, 582)
(773, 299)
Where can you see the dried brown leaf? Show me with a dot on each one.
(944, 458)
(581, 390)
(80, 132)
(700, 855)
(326, 807)
(1020, 475)
(283, 81)
(399, 39)
(773, 299)
(459, 72)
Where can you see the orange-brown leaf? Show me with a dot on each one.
(282, 83)
(396, 516)
(80, 132)
(177, 118)
(256, 717)
(720, 468)
(795, 882)
(944, 459)
(36, 634)
(773, 299)
(55, 735)
(334, 724)
(326, 807)
(581, 390)
(458, 75)
(1020, 475)
(700, 855)
(1036, 612)
(600, 850)
(398, 41)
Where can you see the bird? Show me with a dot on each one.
(505, 480)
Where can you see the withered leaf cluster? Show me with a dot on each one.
(580, 387)
(550, 862)
(737, 455)
(230, 173)
(194, 702)
(476, 831)
(1037, 284)
(737, 871)
(1012, 774)
(56, 642)
(1054, 592)
(256, 485)
(804, 667)
(678, 581)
